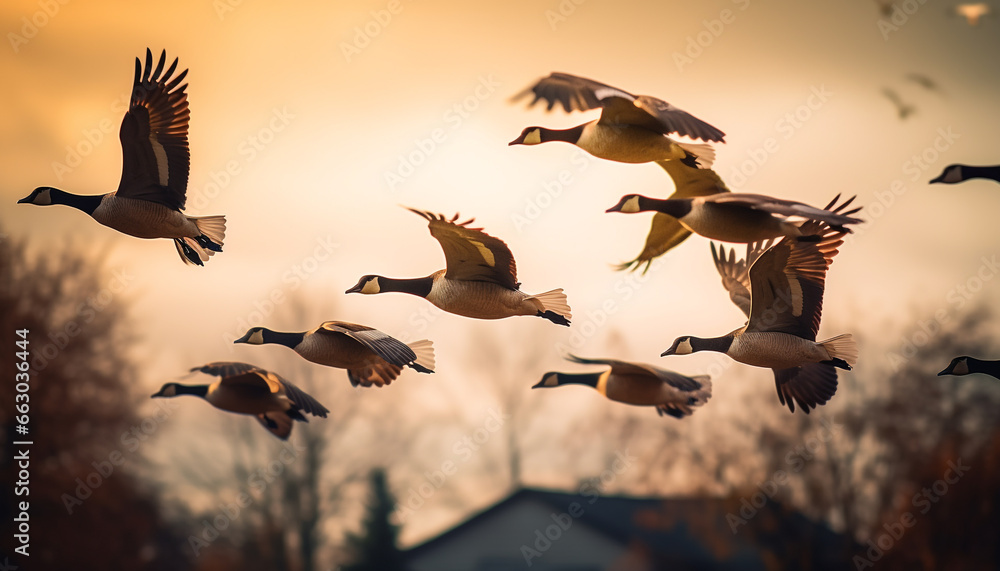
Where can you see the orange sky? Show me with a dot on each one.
(303, 114)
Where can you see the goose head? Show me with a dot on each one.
(367, 285)
(167, 390)
(629, 204)
(41, 196)
(958, 366)
(529, 136)
(681, 346)
(950, 175)
(253, 336)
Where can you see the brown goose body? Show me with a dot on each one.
(144, 219)
(246, 389)
(480, 280)
(370, 356)
(638, 384)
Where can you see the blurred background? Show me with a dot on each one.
(311, 122)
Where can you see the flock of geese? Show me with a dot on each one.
(778, 284)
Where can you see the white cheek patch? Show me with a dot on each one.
(953, 175)
(44, 198)
(602, 382)
(485, 252)
(961, 368)
(371, 286)
(161, 159)
(684, 348)
(257, 338)
(533, 138)
(631, 205)
(551, 381)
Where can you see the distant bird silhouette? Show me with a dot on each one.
(638, 384)
(972, 12)
(904, 110)
(954, 174)
(923, 81)
(966, 365)
(246, 389)
(665, 231)
(156, 161)
(479, 281)
(631, 128)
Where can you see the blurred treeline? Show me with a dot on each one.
(116, 484)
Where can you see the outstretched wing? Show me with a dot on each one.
(154, 136)
(471, 254)
(786, 285)
(226, 368)
(576, 93)
(640, 370)
(389, 348)
(573, 92)
(783, 207)
(734, 272)
(301, 399)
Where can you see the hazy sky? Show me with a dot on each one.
(312, 121)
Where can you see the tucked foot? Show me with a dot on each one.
(553, 317)
(207, 243)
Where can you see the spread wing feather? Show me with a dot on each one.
(154, 136)
(471, 254)
(576, 93)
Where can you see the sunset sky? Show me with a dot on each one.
(311, 122)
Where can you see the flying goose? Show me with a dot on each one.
(480, 280)
(953, 174)
(370, 356)
(638, 384)
(631, 128)
(735, 217)
(736, 279)
(152, 191)
(784, 286)
(903, 109)
(246, 389)
(968, 365)
(665, 231)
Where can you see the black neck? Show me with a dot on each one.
(415, 286)
(719, 344)
(980, 366)
(81, 202)
(589, 379)
(196, 390)
(571, 135)
(676, 207)
(992, 173)
(289, 340)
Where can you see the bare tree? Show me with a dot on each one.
(85, 509)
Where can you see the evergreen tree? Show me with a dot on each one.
(374, 548)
